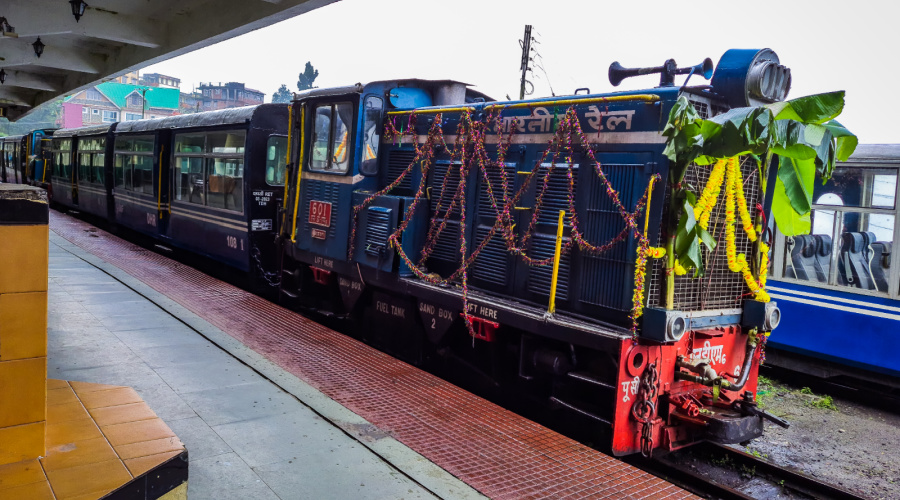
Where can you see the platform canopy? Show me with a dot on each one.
(114, 37)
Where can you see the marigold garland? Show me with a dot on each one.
(710, 195)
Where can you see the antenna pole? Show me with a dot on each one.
(526, 51)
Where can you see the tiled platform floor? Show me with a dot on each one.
(246, 438)
(495, 451)
(98, 438)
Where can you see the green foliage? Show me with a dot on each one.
(690, 236)
(307, 78)
(802, 132)
(282, 94)
(806, 390)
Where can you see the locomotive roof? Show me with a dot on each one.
(205, 119)
(359, 87)
(89, 130)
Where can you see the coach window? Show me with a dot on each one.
(188, 172)
(225, 170)
(331, 138)
(853, 217)
(62, 158)
(276, 151)
(90, 159)
(133, 168)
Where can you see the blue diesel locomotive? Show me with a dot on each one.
(511, 238)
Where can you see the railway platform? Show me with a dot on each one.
(270, 404)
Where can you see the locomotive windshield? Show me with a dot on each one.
(331, 138)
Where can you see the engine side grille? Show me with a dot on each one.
(720, 288)
(604, 275)
(378, 221)
(442, 198)
(540, 278)
(493, 263)
(398, 161)
(556, 197)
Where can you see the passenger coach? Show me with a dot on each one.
(210, 183)
(23, 157)
(839, 287)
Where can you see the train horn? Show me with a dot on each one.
(667, 72)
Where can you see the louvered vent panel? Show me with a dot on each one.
(447, 246)
(378, 228)
(556, 197)
(441, 198)
(606, 277)
(322, 191)
(398, 161)
(539, 278)
(493, 263)
(495, 174)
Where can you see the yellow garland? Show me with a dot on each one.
(741, 201)
(764, 264)
(734, 195)
(679, 269)
(710, 195)
(730, 249)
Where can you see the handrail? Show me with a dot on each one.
(559, 234)
(299, 173)
(162, 147)
(287, 171)
(559, 102)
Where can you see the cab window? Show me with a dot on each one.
(371, 136)
(330, 148)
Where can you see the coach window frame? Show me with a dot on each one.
(92, 154)
(208, 158)
(128, 168)
(778, 251)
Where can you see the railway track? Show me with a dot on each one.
(726, 473)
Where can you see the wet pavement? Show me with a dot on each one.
(246, 437)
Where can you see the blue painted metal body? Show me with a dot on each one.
(861, 331)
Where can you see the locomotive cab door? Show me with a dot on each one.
(327, 177)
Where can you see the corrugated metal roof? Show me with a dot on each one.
(83, 131)
(205, 119)
(157, 97)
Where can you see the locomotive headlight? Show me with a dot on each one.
(676, 328)
(769, 81)
(751, 77)
(763, 315)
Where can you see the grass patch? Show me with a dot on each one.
(825, 403)
(807, 391)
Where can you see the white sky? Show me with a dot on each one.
(829, 45)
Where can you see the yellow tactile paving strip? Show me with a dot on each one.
(98, 438)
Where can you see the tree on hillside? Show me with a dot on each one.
(282, 94)
(307, 77)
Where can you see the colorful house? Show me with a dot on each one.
(118, 102)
